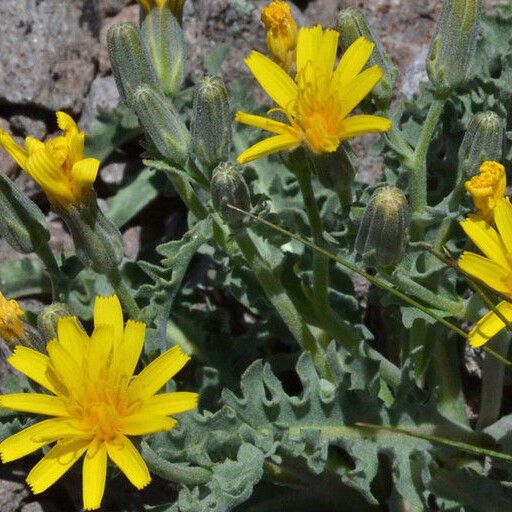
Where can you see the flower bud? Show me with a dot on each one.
(453, 44)
(13, 328)
(22, 223)
(383, 232)
(282, 33)
(48, 319)
(352, 24)
(97, 240)
(487, 188)
(163, 37)
(482, 141)
(175, 6)
(336, 171)
(211, 121)
(131, 64)
(162, 124)
(229, 187)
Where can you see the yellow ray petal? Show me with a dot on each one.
(36, 436)
(488, 272)
(100, 350)
(33, 364)
(490, 325)
(318, 47)
(142, 424)
(76, 147)
(358, 89)
(72, 337)
(32, 145)
(503, 220)
(126, 358)
(352, 62)
(269, 146)
(55, 463)
(264, 123)
(107, 311)
(128, 459)
(66, 123)
(363, 124)
(36, 403)
(168, 404)
(158, 373)
(94, 475)
(485, 238)
(18, 154)
(276, 82)
(84, 171)
(65, 367)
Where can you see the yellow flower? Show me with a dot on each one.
(487, 188)
(495, 268)
(58, 165)
(281, 33)
(318, 101)
(176, 6)
(12, 329)
(96, 402)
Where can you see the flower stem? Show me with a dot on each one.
(124, 294)
(418, 164)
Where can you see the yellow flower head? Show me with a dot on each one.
(320, 98)
(12, 329)
(95, 401)
(58, 165)
(281, 33)
(487, 188)
(176, 6)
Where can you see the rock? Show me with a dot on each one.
(27, 126)
(415, 73)
(130, 13)
(102, 96)
(12, 494)
(113, 173)
(49, 51)
(111, 7)
(323, 12)
(131, 238)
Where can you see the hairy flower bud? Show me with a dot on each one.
(162, 123)
(229, 187)
(384, 228)
(453, 44)
(131, 64)
(211, 121)
(97, 240)
(482, 141)
(352, 23)
(22, 223)
(336, 171)
(13, 328)
(48, 319)
(163, 37)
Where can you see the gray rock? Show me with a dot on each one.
(26, 126)
(415, 73)
(111, 7)
(49, 52)
(102, 96)
(12, 494)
